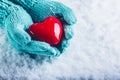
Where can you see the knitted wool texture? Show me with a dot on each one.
(17, 15)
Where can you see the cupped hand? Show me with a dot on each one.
(40, 9)
(19, 21)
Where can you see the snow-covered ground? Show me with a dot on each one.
(94, 53)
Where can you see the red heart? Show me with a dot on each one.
(50, 31)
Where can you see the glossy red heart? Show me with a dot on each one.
(50, 31)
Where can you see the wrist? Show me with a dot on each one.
(27, 4)
(6, 8)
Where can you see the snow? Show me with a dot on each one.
(92, 55)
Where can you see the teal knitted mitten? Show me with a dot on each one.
(16, 21)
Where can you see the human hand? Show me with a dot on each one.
(15, 21)
(19, 21)
(40, 9)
